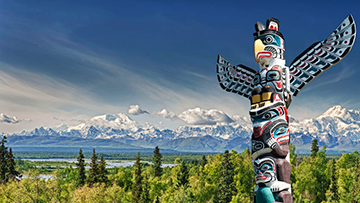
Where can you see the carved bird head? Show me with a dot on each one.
(269, 44)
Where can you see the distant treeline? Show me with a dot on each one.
(148, 156)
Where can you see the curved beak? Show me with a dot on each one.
(258, 46)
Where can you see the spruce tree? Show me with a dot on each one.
(102, 171)
(314, 148)
(334, 195)
(203, 162)
(137, 186)
(157, 162)
(183, 175)
(80, 181)
(225, 187)
(10, 163)
(94, 170)
(3, 154)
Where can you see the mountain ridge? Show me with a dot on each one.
(335, 128)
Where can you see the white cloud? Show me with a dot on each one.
(11, 119)
(197, 116)
(200, 116)
(136, 110)
(166, 114)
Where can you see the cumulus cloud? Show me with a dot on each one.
(136, 110)
(11, 119)
(200, 116)
(166, 114)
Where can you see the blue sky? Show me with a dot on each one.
(65, 61)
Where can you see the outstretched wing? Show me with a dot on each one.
(237, 79)
(322, 55)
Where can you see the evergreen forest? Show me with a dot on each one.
(218, 178)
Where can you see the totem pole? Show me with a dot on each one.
(270, 91)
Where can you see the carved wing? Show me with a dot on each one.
(237, 79)
(322, 55)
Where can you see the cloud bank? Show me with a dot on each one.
(166, 114)
(200, 116)
(11, 119)
(197, 116)
(136, 110)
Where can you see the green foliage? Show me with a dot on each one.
(346, 171)
(317, 179)
(243, 176)
(183, 175)
(293, 162)
(24, 165)
(157, 162)
(333, 195)
(122, 178)
(356, 181)
(311, 178)
(145, 197)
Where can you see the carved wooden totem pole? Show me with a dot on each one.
(270, 91)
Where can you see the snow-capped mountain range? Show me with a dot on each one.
(337, 126)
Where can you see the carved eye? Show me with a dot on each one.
(269, 39)
(265, 167)
(281, 130)
(273, 75)
(268, 115)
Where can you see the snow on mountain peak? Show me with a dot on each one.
(340, 112)
(336, 122)
(61, 127)
(335, 111)
(106, 117)
(123, 118)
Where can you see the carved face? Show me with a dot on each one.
(264, 116)
(265, 170)
(270, 76)
(270, 127)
